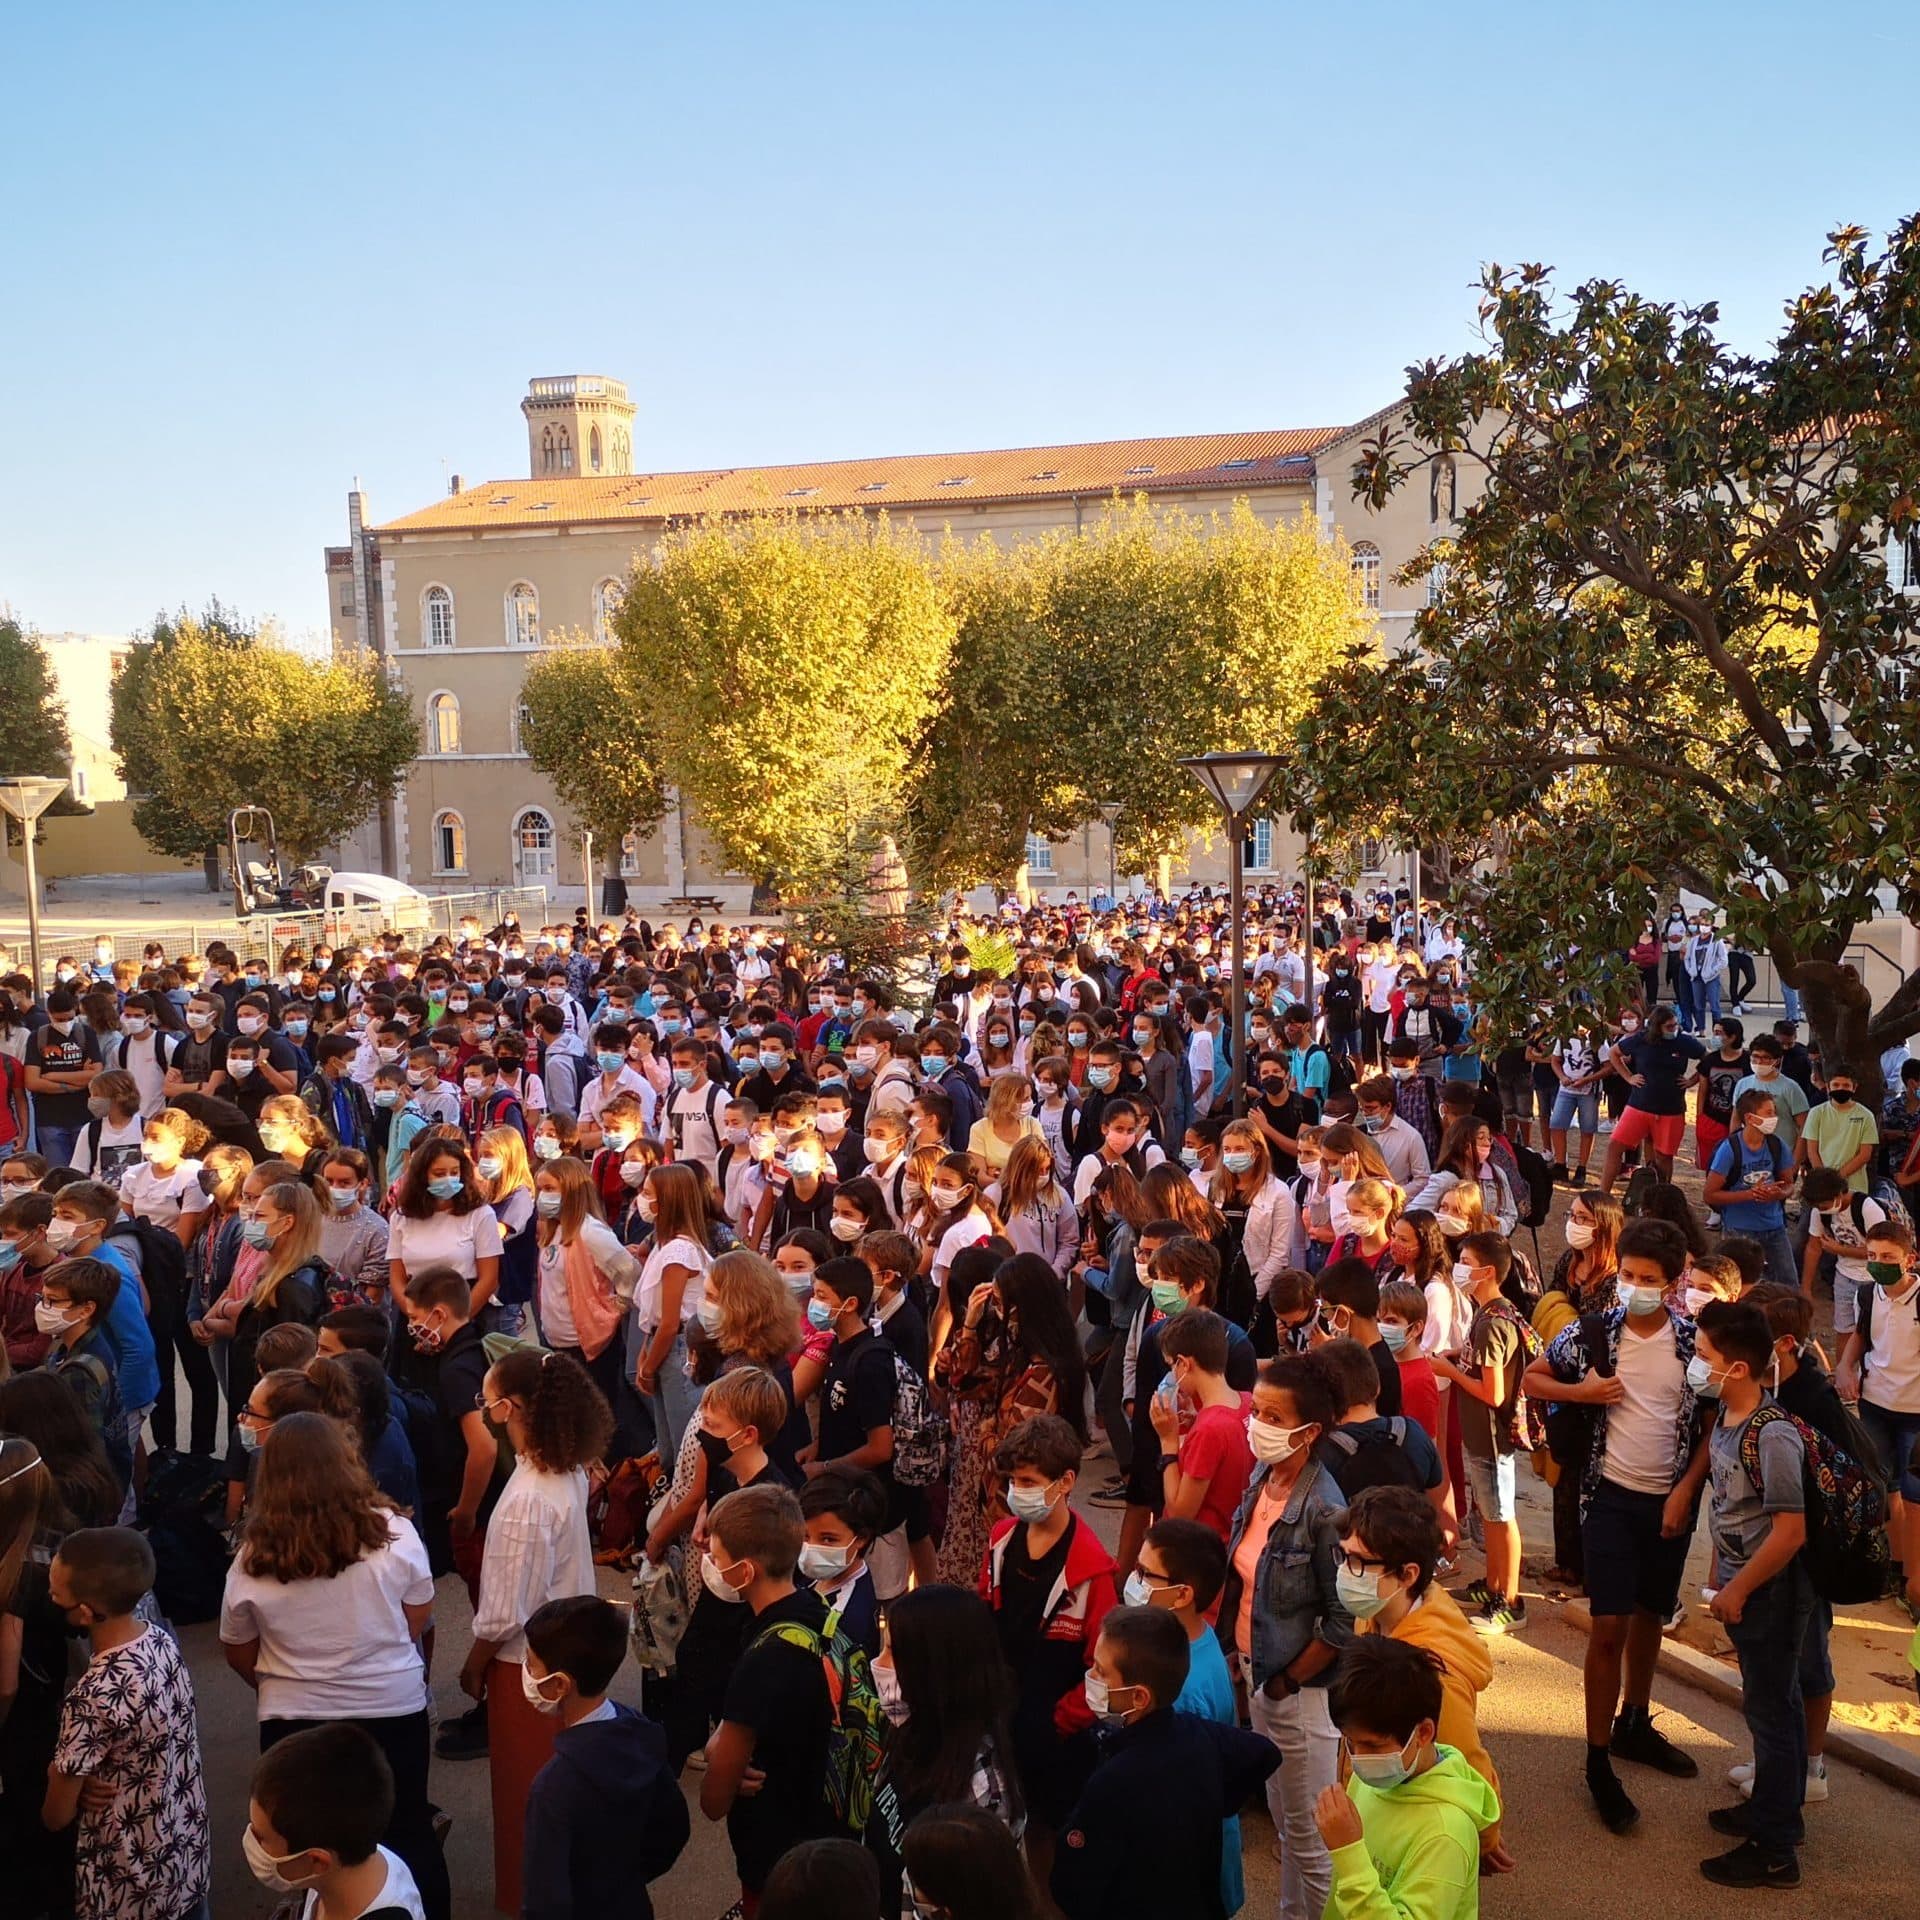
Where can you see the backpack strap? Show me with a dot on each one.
(1345, 1441)
(1764, 1415)
(1397, 1426)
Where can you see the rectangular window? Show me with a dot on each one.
(1258, 851)
(1039, 854)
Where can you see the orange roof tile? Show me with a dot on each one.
(913, 480)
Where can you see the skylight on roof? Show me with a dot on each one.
(959, 480)
(874, 486)
(641, 500)
(1051, 473)
(501, 500)
(1228, 466)
(1139, 470)
(801, 493)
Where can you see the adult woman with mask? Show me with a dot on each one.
(1007, 1121)
(945, 1686)
(325, 1604)
(1015, 1354)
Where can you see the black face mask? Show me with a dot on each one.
(1840, 1096)
(717, 1450)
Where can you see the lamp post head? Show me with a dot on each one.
(1235, 781)
(26, 796)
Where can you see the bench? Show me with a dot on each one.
(684, 903)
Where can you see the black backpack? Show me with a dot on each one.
(1536, 1179)
(181, 1515)
(1376, 1461)
(162, 1259)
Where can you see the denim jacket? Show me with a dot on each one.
(1296, 1600)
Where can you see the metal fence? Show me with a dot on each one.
(271, 934)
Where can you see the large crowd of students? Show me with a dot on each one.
(829, 1308)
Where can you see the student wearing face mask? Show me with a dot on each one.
(1640, 1492)
(1282, 1615)
(1389, 1557)
(1405, 1833)
(61, 1061)
(1192, 1773)
(605, 1815)
(1879, 1364)
(584, 1276)
(1750, 1180)
(1790, 1103)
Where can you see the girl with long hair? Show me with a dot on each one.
(439, 1219)
(1037, 1211)
(505, 1179)
(1372, 1206)
(1466, 1161)
(353, 1238)
(282, 1225)
(537, 1549)
(41, 1407)
(1015, 1354)
(1007, 1121)
(290, 1128)
(964, 1863)
(325, 1604)
(959, 1213)
(667, 1298)
(585, 1276)
(1262, 1228)
(946, 1687)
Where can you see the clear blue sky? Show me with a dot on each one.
(256, 251)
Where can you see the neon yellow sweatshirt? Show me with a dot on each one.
(1420, 1859)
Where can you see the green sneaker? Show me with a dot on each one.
(1500, 1616)
(1475, 1594)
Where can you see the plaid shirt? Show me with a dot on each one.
(1570, 1361)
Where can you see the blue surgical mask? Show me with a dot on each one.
(820, 1315)
(254, 1233)
(933, 1065)
(1189, 1156)
(296, 1029)
(9, 1256)
(773, 1058)
(1700, 1379)
(610, 1062)
(249, 1437)
(447, 1187)
(1237, 1159)
(669, 1025)
(1394, 1333)
(1101, 1077)
(1383, 1771)
(683, 1077)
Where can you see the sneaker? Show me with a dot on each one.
(1735, 1822)
(1749, 1865)
(1676, 1619)
(1579, 1177)
(1476, 1593)
(1816, 1790)
(1559, 1170)
(464, 1738)
(1114, 1496)
(1612, 1801)
(1500, 1616)
(1642, 1742)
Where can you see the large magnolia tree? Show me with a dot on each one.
(1664, 647)
(1088, 663)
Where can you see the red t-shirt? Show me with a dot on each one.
(1420, 1394)
(1215, 1450)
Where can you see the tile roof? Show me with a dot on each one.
(914, 480)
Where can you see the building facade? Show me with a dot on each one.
(457, 597)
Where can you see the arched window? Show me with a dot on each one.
(606, 603)
(1436, 582)
(593, 449)
(566, 451)
(546, 451)
(533, 847)
(449, 843)
(523, 615)
(1366, 571)
(436, 617)
(443, 724)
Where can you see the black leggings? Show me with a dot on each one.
(167, 1321)
(403, 1739)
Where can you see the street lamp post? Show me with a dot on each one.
(1306, 828)
(1110, 811)
(25, 797)
(1235, 782)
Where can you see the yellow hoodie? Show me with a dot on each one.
(1438, 1625)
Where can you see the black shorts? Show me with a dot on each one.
(1631, 1567)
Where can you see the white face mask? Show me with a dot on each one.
(1032, 1503)
(1271, 1444)
(1579, 1234)
(715, 1582)
(266, 1866)
(541, 1702)
(1462, 1275)
(824, 1563)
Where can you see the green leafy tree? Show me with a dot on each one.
(1087, 665)
(791, 665)
(584, 726)
(33, 718)
(1665, 649)
(207, 717)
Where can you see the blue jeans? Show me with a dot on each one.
(1768, 1637)
(1706, 1001)
(55, 1145)
(674, 1401)
(1789, 1001)
(1782, 1268)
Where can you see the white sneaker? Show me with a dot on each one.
(1815, 1791)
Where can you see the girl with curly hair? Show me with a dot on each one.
(325, 1604)
(537, 1550)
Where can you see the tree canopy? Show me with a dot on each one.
(208, 717)
(33, 718)
(1087, 664)
(1663, 648)
(584, 726)
(790, 665)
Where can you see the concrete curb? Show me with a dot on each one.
(1867, 1751)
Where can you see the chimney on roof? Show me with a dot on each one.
(454, 485)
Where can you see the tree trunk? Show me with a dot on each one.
(210, 865)
(1840, 1011)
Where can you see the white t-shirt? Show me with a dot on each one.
(399, 1895)
(968, 1231)
(1640, 1427)
(336, 1649)
(1200, 1065)
(617, 1267)
(695, 1117)
(676, 1253)
(118, 1151)
(162, 1198)
(456, 1240)
(1838, 1227)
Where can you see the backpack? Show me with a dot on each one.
(920, 1434)
(181, 1514)
(1373, 1462)
(1536, 1182)
(1521, 1425)
(857, 1735)
(1846, 1553)
(1570, 1423)
(161, 1259)
(676, 1129)
(1884, 1195)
